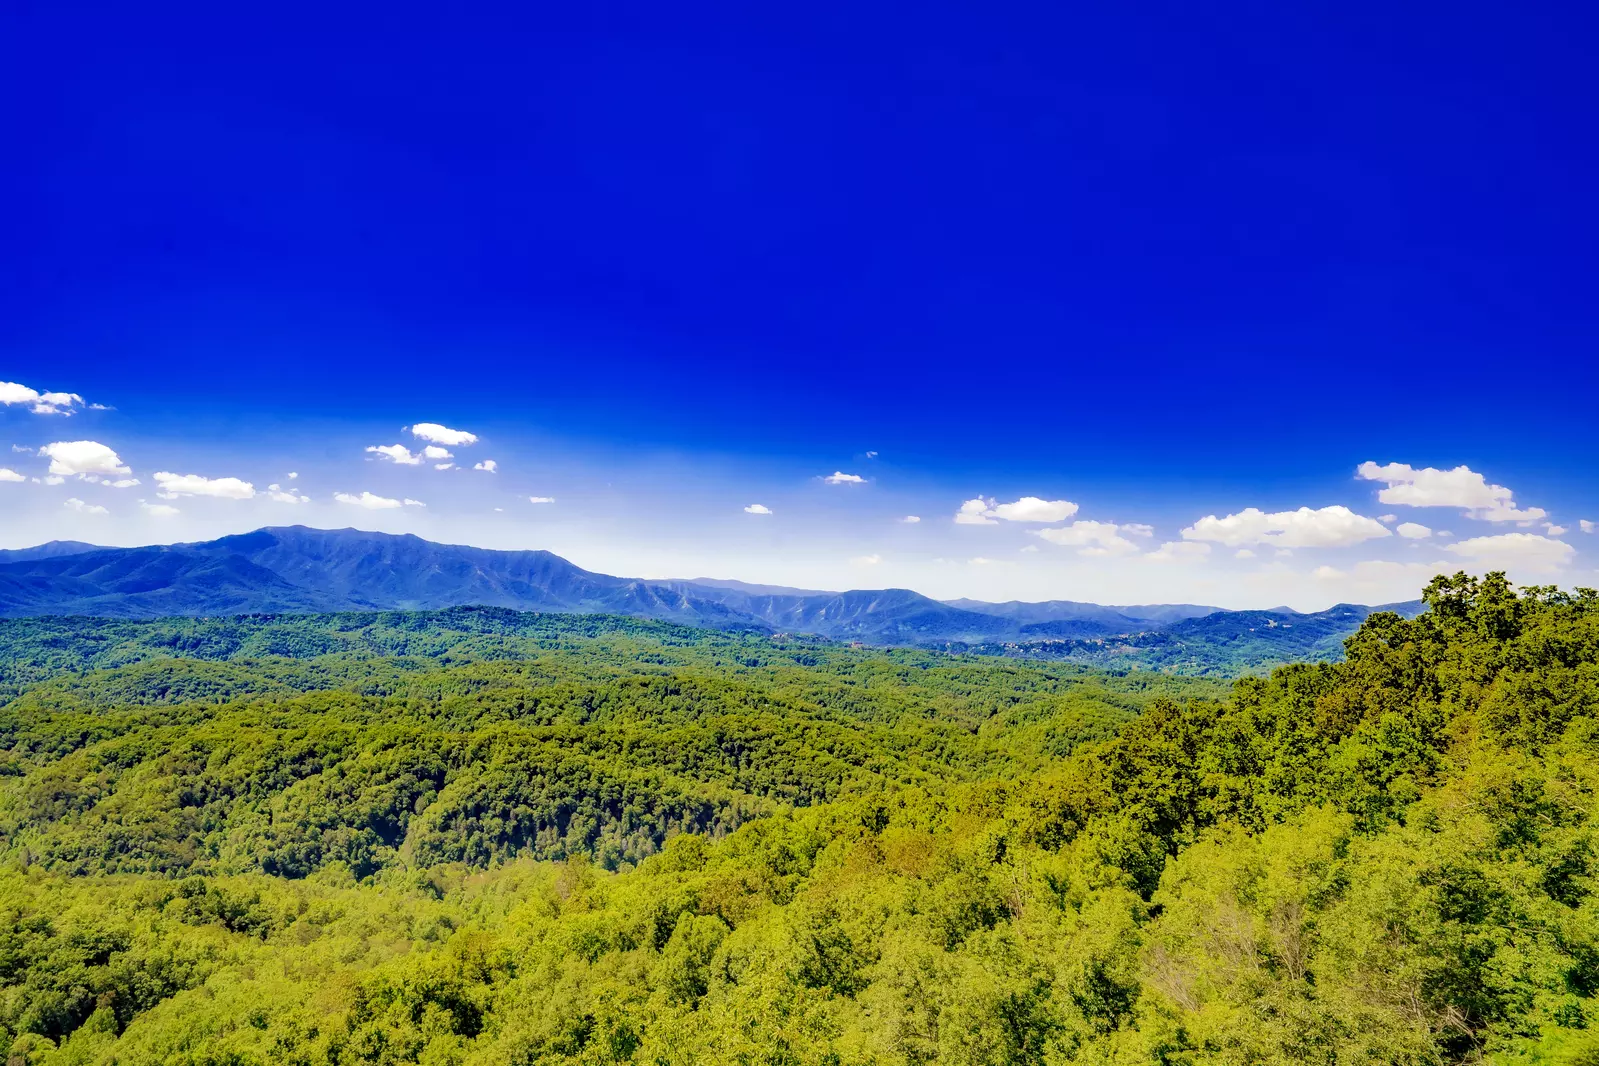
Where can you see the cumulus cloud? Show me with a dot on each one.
(1138, 529)
(433, 451)
(444, 466)
(488, 466)
(40, 403)
(911, 519)
(1556, 531)
(541, 499)
(1326, 527)
(838, 477)
(432, 431)
(79, 458)
(1177, 551)
(1518, 551)
(1387, 519)
(975, 513)
(1090, 538)
(293, 474)
(396, 453)
(414, 503)
(1413, 531)
(1461, 487)
(11, 475)
(757, 508)
(276, 492)
(1033, 509)
(370, 501)
(157, 510)
(871, 455)
(1244, 553)
(981, 512)
(170, 486)
(1586, 526)
(75, 504)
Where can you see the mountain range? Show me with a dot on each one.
(298, 569)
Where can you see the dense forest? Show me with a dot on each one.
(478, 836)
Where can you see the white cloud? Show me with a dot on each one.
(541, 499)
(444, 466)
(22, 449)
(1461, 487)
(40, 403)
(1028, 548)
(981, 561)
(1387, 519)
(1587, 526)
(975, 513)
(438, 434)
(488, 466)
(433, 451)
(368, 500)
(1243, 553)
(293, 474)
(911, 519)
(1327, 527)
(275, 492)
(867, 560)
(1556, 531)
(871, 455)
(838, 477)
(11, 475)
(1413, 531)
(1138, 529)
(52, 479)
(414, 503)
(1090, 538)
(75, 504)
(157, 510)
(1522, 551)
(981, 512)
(1033, 509)
(170, 486)
(82, 457)
(757, 508)
(122, 483)
(397, 453)
(1176, 551)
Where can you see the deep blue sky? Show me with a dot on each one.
(1218, 253)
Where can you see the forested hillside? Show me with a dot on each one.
(295, 568)
(475, 836)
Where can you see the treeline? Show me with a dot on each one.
(871, 858)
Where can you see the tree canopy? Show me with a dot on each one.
(486, 837)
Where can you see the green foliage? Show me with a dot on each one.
(477, 837)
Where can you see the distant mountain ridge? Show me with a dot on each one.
(297, 569)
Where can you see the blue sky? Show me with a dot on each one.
(1162, 264)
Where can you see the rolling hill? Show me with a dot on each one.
(297, 569)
